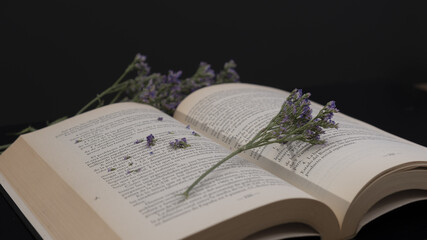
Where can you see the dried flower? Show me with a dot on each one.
(228, 74)
(195, 134)
(151, 141)
(181, 143)
(160, 119)
(141, 65)
(165, 92)
(293, 123)
(138, 141)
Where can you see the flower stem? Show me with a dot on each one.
(187, 192)
(108, 90)
(4, 147)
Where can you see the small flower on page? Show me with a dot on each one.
(195, 134)
(111, 169)
(138, 141)
(170, 132)
(78, 140)
(179, 143)
(187, 127)
(126, 157)
(159, 119)
(151, 141)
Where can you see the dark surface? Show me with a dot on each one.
(399, 109)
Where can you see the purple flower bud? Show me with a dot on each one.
(331, 105)
(182, 143)
(151, 140)
(141, 65)
(173, 77)
(140, 57)
(299, 93)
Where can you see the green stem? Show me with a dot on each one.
(187, 192)
(116, 97)
(108, 90)
(25, 130)
(248, 145)
(113, 88)
(4, 147)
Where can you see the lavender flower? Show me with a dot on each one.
(165, 92)
(195, 134)
(138, 141)
(294, 122)
(159, 119)
(295, 119)
(203, 77)
(151, 141)
(141, 65)
(181, 143)
(228, 74)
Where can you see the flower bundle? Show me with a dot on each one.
(163, 91)
(294, 122)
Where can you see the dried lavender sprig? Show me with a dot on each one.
(165, 92)
(166, 97)
(293, 123)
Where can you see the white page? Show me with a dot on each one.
(134, 190)
(351, 157)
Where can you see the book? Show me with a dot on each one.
(94, 177)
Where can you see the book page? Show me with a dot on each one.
(334, 172)
(103, 155)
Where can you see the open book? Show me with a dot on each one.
(90, 177)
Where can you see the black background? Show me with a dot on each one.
(367, 55)
(56, 55)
